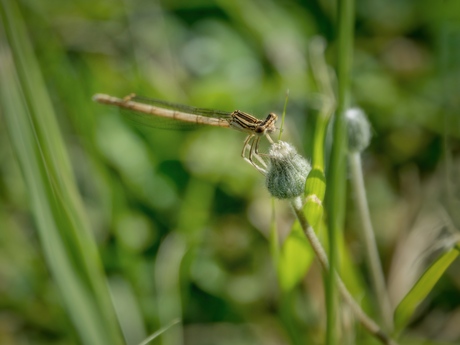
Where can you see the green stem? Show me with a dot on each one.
(375, 266)
(336, 185)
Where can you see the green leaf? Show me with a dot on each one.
(296, 255)
(315, 188)
(294, 259)
(54, 200)
(420, 290)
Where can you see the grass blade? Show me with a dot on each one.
(422, 288)
(65, 235)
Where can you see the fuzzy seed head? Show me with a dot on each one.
(287, 171)
(359, 130)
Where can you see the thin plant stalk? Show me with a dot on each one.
(375, 266)
(159, 332)
(370, 325)
(336, 178)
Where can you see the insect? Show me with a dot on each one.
(238, 120)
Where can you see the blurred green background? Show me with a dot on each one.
(180, 220)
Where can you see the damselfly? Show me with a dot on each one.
(237, 119)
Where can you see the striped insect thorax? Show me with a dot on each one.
(247, 123)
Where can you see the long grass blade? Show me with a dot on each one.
(422, 288)
(65, 235)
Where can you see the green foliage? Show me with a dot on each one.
(175, 223)
(422, 288)
(295, 258)
(55, 202)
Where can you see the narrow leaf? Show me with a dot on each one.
(420, 290)
(294, 259)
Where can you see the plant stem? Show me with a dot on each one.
(370, 325)
(336, 179)
(375, 266)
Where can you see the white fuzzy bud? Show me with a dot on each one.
(287, 171)
(358, 129)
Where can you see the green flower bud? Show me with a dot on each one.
(359, 130)
(287, 171)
